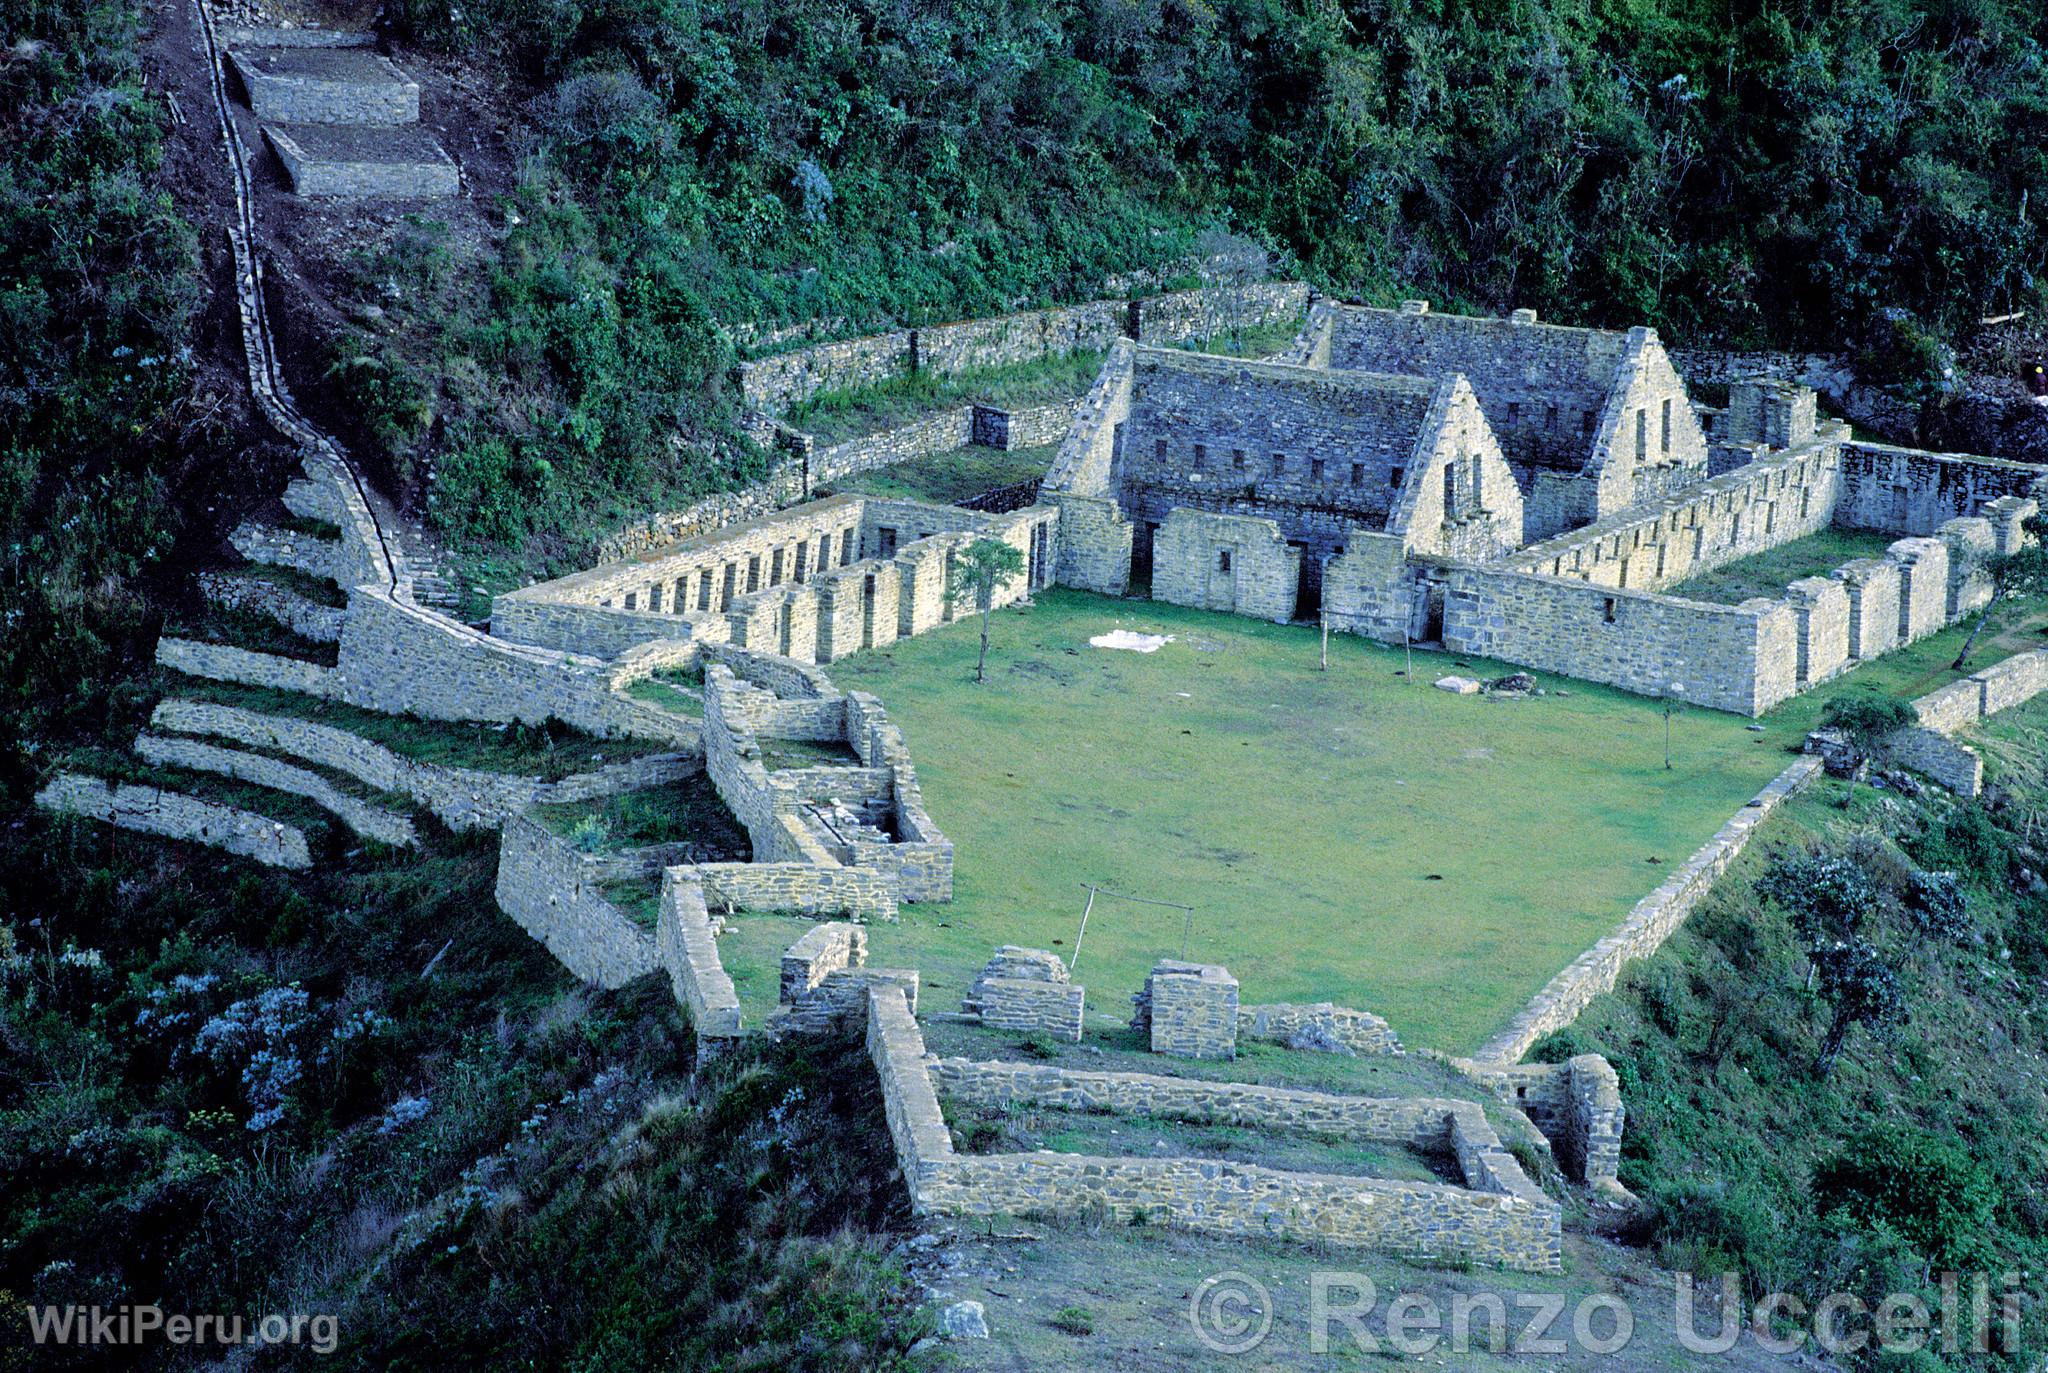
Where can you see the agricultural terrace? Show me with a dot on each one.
(1348, 835)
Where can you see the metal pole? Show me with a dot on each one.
(1186, 923)
(1325, 617)
(1083, 934)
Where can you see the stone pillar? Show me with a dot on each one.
(1923, 587)
(800, 623)
(1971, 543)
(1820, 607)
(839, 614)
(1189, 1010)
(2008, 516)
(1872, 585)
(922, 604)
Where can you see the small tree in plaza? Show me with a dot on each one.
(977, 571)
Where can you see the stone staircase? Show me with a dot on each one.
(342, 118)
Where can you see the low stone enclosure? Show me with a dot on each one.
(1499, 1218)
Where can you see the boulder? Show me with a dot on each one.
(1458, 686)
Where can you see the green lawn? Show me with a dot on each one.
(949, 478)
(1343, 836)
(1768, 574)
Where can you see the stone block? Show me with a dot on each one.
(331, 163)
(1188, 1010)
(326, 86)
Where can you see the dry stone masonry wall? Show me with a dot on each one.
(174, 815)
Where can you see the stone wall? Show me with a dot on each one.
(1410, 1122)
(1723, 520)
(463, 798)
(1647, 926)
(1359, 1031)
(1576, 1104)
(1737, 658)
(366, 818)
(262, 543)
(174, 815)
(1188, 1010)
(326, 86)
(1027, 991)
(1236, 564)
(402, 660)
(804, 888)
(1907, 491)
(774, 384)
(687, 946)
(1929, 747)
(303, 617)
(552, 890)
(226, 663)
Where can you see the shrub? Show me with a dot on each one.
(1073, 1320)
(1926, 1188)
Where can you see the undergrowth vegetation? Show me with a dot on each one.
(364, 1092)
(1834, 1070)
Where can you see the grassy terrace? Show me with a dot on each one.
(686, 811)
(674, 689)
(986, 1130)
(522, 750)
(1344, 836)
(1768, 574)
(252, 630)
(948, 478)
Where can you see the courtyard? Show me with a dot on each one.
(1348, 835)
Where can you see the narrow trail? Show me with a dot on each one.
(321, 454)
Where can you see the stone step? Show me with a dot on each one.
(347, 86)
(260, 36)
(369, 163)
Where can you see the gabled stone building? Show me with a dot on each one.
(1591, 421)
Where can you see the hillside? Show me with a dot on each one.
(361, 1089)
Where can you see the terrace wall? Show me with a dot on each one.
(551, 889)
(174, 815)
(463, 798)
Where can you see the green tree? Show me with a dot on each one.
(1865, 990)
(977, 570)
(1826, 894)
(1868, 721)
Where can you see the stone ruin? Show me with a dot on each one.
(1026, 990)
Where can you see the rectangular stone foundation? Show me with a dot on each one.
(362, 164)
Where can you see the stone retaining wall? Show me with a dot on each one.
(463, 798)
(174, 815)
(805, 888)
(226, 663)
(774, 384)
(551, 888)
(1929, 747)
(1648, 925)
(262, 543)
(366, 818)
(1576, 1104)
(306, 618)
